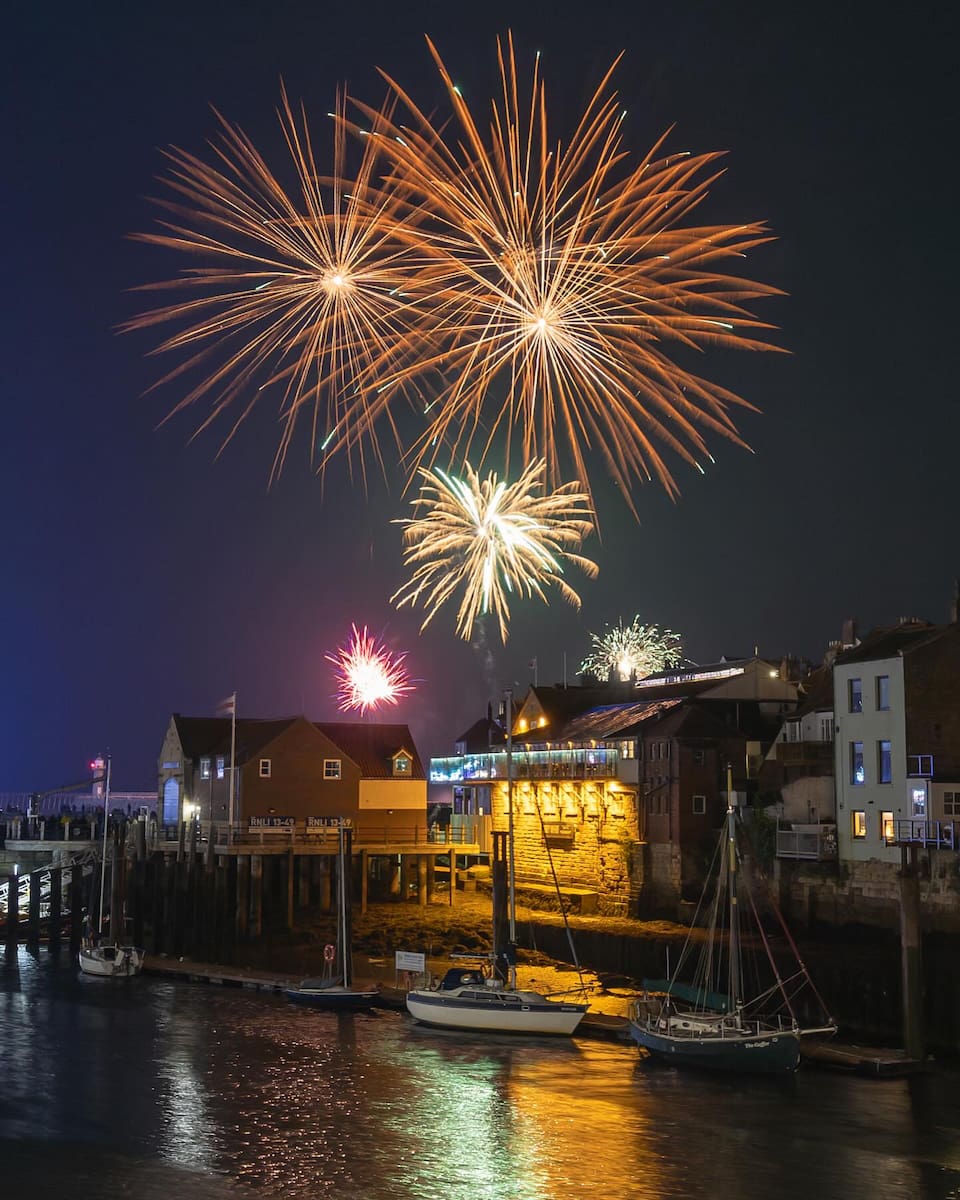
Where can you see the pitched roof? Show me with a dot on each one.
(373, 746)
(611, 719)
(890, 641)
(482, 735)
(206, 736)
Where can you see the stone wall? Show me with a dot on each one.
(868, 893)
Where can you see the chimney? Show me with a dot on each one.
(848, 637)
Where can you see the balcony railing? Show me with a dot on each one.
(915, 831)
(585, 763)
(810, 843)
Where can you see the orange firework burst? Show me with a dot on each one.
(559, 280)
(297, 295)
(368, 674)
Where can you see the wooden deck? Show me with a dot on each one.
(594, 1025)
(859, 1060)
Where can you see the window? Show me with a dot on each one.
(855, 695)
(264, 768)
(698, 758)
(951, 804)
(884, 767)
(883, 692)
(792, 731)
(858, 823)
(204, 768)
(826, 729)
(401, 765)
(331, 768)
(220, 766)
(887, 830)
(699, 806)
(918, 799)
(856, 763)
(628, 749)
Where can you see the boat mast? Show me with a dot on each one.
(342, 907)
(511, 877)
(734, 981)
(103, 861)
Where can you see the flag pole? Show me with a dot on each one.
(233, 760)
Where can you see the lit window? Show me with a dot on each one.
(628, 749)
(699, 806)
(220, 766)
(884, 767)
(918, 798)
(883, 692)
(887, 830)
(264, 768)
(858, 823)
(204, 768)
(331, 768)
(856, 763)
(855, 695)
(401, 765)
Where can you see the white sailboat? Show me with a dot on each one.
(334, 989)
(467, 999)
(109, 959)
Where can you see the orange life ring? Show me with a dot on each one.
(329, 953)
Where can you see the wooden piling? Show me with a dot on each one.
(56, 906)
(33, 923)
(243, 897)
(256, 895)
(422, 880)
(911, 954)
(13, 910)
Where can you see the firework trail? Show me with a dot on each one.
(492, 540)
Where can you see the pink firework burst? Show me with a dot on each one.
(369, 675)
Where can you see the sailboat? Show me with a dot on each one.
(471, 999)
(719, 1021)
(108, 959)
(334, 989)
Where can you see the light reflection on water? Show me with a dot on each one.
(144, 1087)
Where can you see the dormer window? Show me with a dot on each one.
(402, 764)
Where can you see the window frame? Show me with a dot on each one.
(332, 770)
(884, 761)
(854, 755)
(858, 824)
(205, 768)
(888, 829)
(700, 811)
(266, 768)
(855, 695)
(221, 766)
(883, 693)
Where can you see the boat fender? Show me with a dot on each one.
(329, 953)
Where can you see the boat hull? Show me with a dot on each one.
(492, 1015)
(774, 1052)
(337, 999)
(111, 962)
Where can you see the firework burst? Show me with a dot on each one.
(631, 651)
(297, 293)
(492, 540)
(559, 281)
(368, 674)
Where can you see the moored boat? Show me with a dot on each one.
(466, 1000)
(334, 989)
(715, 1022)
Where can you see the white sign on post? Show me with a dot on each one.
(408, 961)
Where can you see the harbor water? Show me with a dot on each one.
(149, 1088)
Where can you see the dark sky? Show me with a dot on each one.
(143, 576)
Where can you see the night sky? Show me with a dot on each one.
(143, 575)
